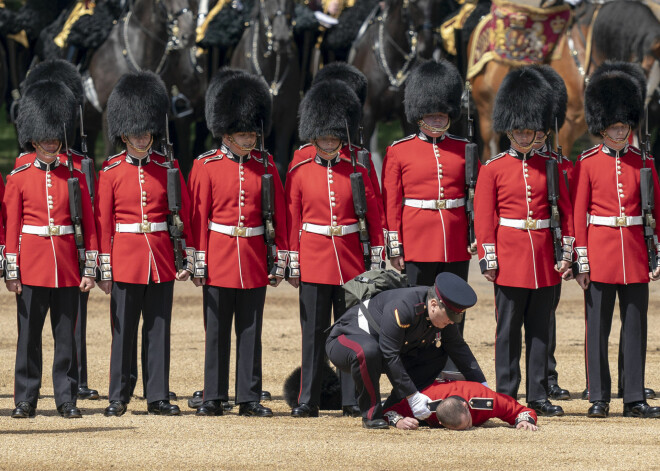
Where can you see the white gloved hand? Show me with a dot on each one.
(419, 405)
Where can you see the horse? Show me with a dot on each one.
(581, 51)
(156, 35)
(389, 45)
(267, 49)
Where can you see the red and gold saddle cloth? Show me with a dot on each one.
(517, 34)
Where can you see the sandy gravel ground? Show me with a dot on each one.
(140, 441)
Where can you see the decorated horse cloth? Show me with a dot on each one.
(518, 35)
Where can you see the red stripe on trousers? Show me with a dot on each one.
(364, 371)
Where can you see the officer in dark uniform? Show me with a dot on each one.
(609, 220)
(411, 333)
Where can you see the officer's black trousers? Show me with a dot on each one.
(599, 301)
(515, 307)
(33, 304)
(220, 305)
(316, 302)
(81, 339)
(424, 273)
(360, 356)
(154, 302)
(552, 340)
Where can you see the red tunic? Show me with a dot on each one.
(38, 195)
(321, 194)
(227, 191)
(130, 194)
(513, 188)
(564, 165)
(608, 185)
(3, 220)
(417, 168)
(505, 407)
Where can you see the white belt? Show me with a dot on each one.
(435, 204)
(525, 224)
(236, 231)
(615, 221)
(47, 231)
(141, 227)
(330, 230)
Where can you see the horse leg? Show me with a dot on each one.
(484, 89)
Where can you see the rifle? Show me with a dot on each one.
(268, 209)
(560, 154)
(471, 170)
(359, 203)
(75, 207)
(552, 174)
(174, 222)
(648, 203)
(86, 166)
(363, 154)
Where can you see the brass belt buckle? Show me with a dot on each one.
(531, 224)
(54, 230)
(335, 230)
(621, 221)
(145, 227)
(440, 204)
(241, 231)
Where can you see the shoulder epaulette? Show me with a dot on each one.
(407, 138)
(22, 154)
(213, 159)
(634, 150)
(589, 152)
(498, 156)
(299, 164)
(207, 153)
(161, 164)
(456, 138)
(349, 161)
(154, 151)
(304, 145)
(261, 161)
(113, 156)
(20, 169)
(112, 165)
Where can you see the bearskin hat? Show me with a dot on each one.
(330, 388)
(237, 101)
(138, 104)
(346, 72)
(326, 109)
(58, 70)
(559, 92)
(615, 93)
(44, 111)
(524, 101)
(433, 87)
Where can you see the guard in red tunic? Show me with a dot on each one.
(481, 402)
(229, 227)
(137, 252)
(516, 250)
(42, 257)
(609, 232)
(424, 181)
(543, 147)
(65, 72)
(324, 244)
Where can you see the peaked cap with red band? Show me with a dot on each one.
(456, 294)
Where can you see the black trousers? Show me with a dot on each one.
(33, 304)
(424, 273)
(316, 303)
(599, 301)
(154, 303)
(220, 305)
(81, 339)
(514, 308)
(552, 340)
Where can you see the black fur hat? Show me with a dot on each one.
(330, 388)
(524, 101)
(237, 101)
(559, 92)
(615, 93)
(433, 87)
(44, 110)
(346, 72)
(58, 70)
(139, 103)
(325, 110)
